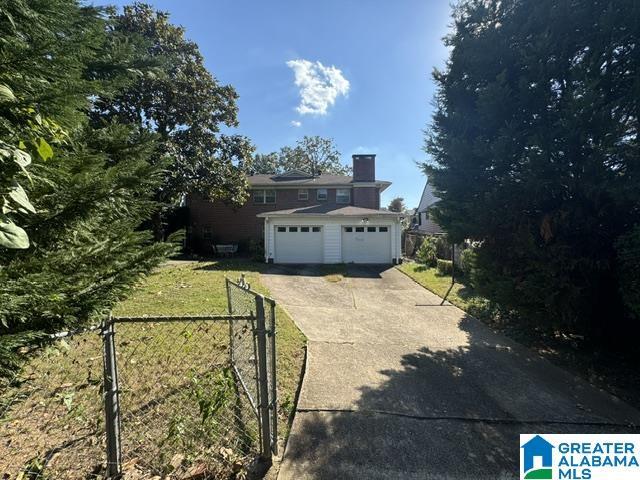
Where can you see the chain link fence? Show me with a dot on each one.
(254, 358)
(148, 397)
(51, 413)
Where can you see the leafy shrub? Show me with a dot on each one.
(467, 261)
(444, 266)
(427, 252)
(256, 250)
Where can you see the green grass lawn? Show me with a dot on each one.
(198, 288)
(461, 295)
(168, 373)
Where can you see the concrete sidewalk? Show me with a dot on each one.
(398, 386)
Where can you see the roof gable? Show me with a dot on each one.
(428, 197)
(294, 174)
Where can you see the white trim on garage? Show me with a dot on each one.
(332, 249)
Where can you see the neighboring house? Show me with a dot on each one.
(422, 222)
(301, 218)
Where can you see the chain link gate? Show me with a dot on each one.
(254, 363)
(207, 399)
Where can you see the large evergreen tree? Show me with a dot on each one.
(89, 185)
(535, 153)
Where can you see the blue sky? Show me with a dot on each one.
(372, 91)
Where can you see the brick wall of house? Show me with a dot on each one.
(216, 222)
(366, 197)
(364, 168)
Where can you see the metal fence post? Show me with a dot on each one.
(111, 400)
(274, 391)
(230, 311)
(263, 379)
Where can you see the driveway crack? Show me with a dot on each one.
(490, 420)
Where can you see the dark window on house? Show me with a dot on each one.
(304, 229)
(419, 219)
(343, 195)
(207, 233)
(348, 229)
(371, 229)
(282, 229)
(383, 229)
(321, 194)
(264, 196)
(269, 196)
(316, 229)
(303, 194)
(293, 229)
(359, 229)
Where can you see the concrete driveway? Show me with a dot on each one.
(398, 386)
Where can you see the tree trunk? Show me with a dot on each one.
(158, 227)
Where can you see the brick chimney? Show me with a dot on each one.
(364, 168)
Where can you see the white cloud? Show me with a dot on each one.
(296, 123)
(319, 86)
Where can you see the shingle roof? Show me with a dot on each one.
(347, 211)
(320, 180)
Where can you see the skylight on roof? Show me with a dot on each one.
(294, 173)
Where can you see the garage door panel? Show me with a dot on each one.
(298, 244)
(366, 244)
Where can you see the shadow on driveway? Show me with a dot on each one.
(346, 270)
(446, 413)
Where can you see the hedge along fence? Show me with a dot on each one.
(429, 249)
(444, 266)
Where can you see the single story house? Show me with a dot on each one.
(304, 218)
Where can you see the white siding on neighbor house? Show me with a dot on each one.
(332, 233)
(427, 225)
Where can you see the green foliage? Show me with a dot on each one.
(89, 185)
(628, 256)
(213, 396)
(313, 155)
(535, 152)
(256, 250)
(461, 295)
(397, 205)
(444, 266)
(467, 261)
(186, 106)
(427, 253)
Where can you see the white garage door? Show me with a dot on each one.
(299, 244)
(370, 244)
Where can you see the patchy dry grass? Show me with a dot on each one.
(173, 382)
(334, 273)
